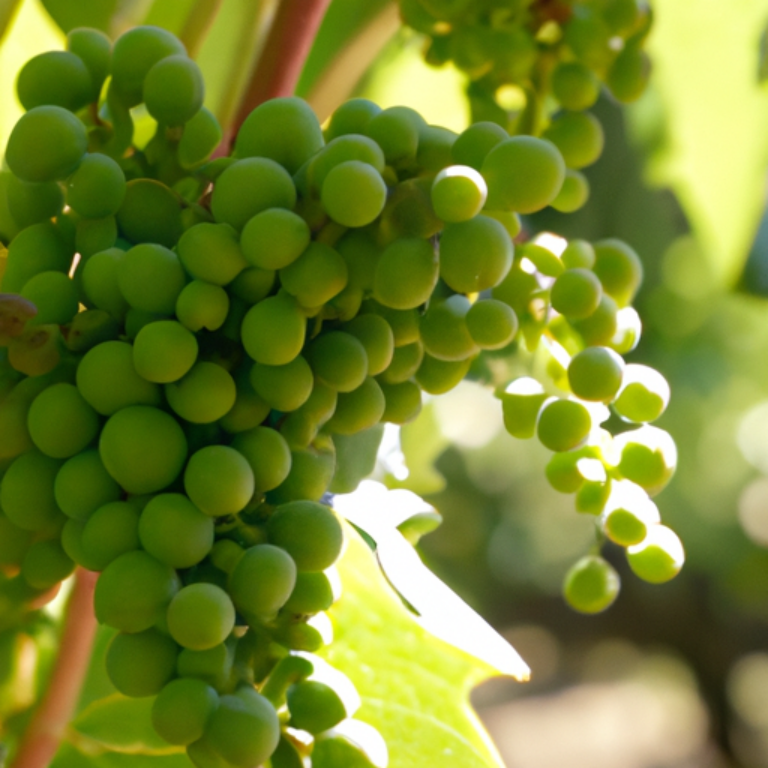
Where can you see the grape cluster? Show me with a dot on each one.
(536, 66)
(187, 342)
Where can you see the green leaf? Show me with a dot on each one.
(84, 13)
(414, 686)
(71, 757)
(716, 120)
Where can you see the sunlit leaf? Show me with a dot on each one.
(84, 13)
(71, 757)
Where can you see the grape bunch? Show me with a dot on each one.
(193, 352)
(537, 66)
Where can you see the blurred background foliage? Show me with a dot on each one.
(671, 676)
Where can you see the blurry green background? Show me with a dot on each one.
(671, 676)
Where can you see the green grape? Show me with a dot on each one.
(26, 491)
(182, 709)
(600, 327)
(71, 543)
(95, 235)
(563, 425)
(521, 403)
(286, 755)
(89, 328)
(589, 37)
(95, 50)
(46, 144)
(39, 248)
(274, 238)
(108, 381)
(226, 553)
(202, 305)
(312, 593)
(150, 213)
(46, 564)
(643, 396)
(434, 152)
(134, 54)
(60, 421)
(402, 402)
(262, 581)
(164, 351)
(619, 269)
(14, 543)
(339, 360)
(110, 531)
(575, 86)
(173, 90)
(659, 557)
(33, 203)
(219, 480)
(175, 531)
(273, 330)
(133, 592)
(375, 334)
(439, 376)
(211, 252)
(475, 255)
(573, 194)
(353, 116)
(284, 130)
(83, 485)
(97, 188)
(523, 173)
(310, 475)
(491, 323)
(628, 514)
(648, 458)
(592, 497)
(136, 319)
(203, 395)
(100, 282)
(245, 729)
(202, 134)
(579, 137)
(341, 150)
(200, 616)
(268, 455)
(309, 532)
(576, 293)
(248, 411)
(405, 362)
(403, 322)
(141, 664)
(353, 193)
(252, 285)
(358, 410)
(629, 329)
(444, 330)
(406, 274)
(409, 212)
(316, 276)
(396, 131)
(628, 76)
(567, 471)
(458, 193)
(361, 253)
(54, 295)
(151, 278)
(578, 254)
(591, 585)
(314, 706)
(143, 448)
(284, 387)
(596, 374)
(474, 143)
(37, 350)
(213, 666)
(301, 426)
(508, 219)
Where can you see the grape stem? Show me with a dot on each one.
(286, 49)
(46, 728)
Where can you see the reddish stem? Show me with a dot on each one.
(44, 732)
(285, 51)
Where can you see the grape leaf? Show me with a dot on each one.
(70, 757)
(716, 115)
(414, 687)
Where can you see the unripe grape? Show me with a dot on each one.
(252, 285)
(46, 564)
(164, 351)
(659, 557)
(15, 541)
(474, 143)
(405, 362)
(576, 293)
(284, 387)
(202, 134)
(27, 491)
(262, 580)
(578, 254)
(592, 496)
(203, 395)
(523, 173)
(182, 709)
(628, 514)
(211, 252)
(338, 359)
(521, 403)
(202, 305)
(141, 664)
(439, 376)
(267, 453)
(133, 592)
(200, 616)
(573, 194)
(444, 330)
(648, 457)
(352, 116)
(643, 396)
(403, 322)
(59, 78)
(458, 193)
(596, 374)
(39, 248)
(619, 269)
(492, 324)
(629, 73)
(402, 401)
(358, 410)
(219, 480)
(273, 330)
(100, 283)
(309, 532)
(55, 296)
(310, 476)
(567, 471)
(563, 425)
(579, 137)
(173, 90)
(353, 193)
(352, 744)
(213, 666)
(599, 327)
(150, 214)
(311, 594)
(97, 188)
(434, 152)
(591, 585)
(406, 274)
(37, 350)
(589, 37)
(316, 276)
(151, 278)
(274, 238)
(396, 131)
(33, 203)
(575, 86)
(314, 706)
(94, 235)
(95, 50)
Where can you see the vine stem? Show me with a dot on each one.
(286, 49)
(46, 728)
